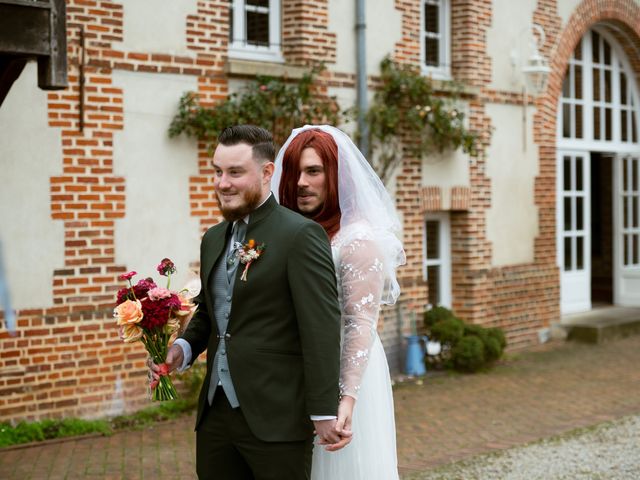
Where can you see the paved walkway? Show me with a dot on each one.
(447, 418)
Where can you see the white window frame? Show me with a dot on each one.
(588, 142)
(444, 260)
(443, 70)
(238, 47)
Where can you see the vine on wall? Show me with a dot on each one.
(406, 112)
(271, 103)
(405, 116)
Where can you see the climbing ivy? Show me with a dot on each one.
(277, 104)
(406, 112)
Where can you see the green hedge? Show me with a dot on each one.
(465, 347)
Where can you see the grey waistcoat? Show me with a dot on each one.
(222, 294)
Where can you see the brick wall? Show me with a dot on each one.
(306, 38)
(521, 299)
(67, 359)
(560, 43)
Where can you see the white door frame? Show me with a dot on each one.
(585, 142)
(626, 279)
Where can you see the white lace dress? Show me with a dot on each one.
(364, 373)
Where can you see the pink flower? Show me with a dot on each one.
(263, 87)
(158, 293)
(127, 276)
(166, 267)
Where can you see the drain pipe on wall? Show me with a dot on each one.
(361, 78)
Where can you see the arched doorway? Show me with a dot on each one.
(598, 177)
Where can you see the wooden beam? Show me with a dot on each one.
(52, 69)
(36, 29)
(24, 29)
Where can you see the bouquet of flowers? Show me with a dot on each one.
(154, 315)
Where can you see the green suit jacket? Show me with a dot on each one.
(283, 346)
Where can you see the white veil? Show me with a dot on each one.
(363, 200)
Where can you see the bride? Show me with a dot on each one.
(321, 174)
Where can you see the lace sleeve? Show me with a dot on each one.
(362, 281)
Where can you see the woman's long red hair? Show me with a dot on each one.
(325, 146)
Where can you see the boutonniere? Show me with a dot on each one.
(247, 254)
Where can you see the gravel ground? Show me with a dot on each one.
(606, 451)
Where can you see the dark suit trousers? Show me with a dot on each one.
(226, 449)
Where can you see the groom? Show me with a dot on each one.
(271, 327)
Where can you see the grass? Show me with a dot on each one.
(26, 432)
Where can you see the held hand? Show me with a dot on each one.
(343, 424)
(325, 430)
(175, 356)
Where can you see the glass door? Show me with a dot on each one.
(574, 227)
(627, 231)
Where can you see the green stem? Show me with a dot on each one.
(156, 346)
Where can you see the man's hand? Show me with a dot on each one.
(343, 424)
(325, 429)
(175, 356)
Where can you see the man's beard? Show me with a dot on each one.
(251, 201)
(309, 213)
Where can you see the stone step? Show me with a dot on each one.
(602, 324)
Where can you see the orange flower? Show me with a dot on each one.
(252, 243)
(128, 312)
(130, 332)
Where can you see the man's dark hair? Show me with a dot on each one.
(260, 140)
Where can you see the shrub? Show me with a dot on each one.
(450, 331)
(465, 347)
(436, 314)
(468, 354)
(492, 349)
(498, 334)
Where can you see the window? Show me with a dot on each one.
(437, 259)
(631, 212)
(254, 32)
(435, 38)
(598, 102)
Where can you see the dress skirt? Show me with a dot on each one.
(371, 455)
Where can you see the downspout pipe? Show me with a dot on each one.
(361, 77)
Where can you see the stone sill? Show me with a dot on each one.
(251, 68)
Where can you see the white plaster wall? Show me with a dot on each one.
(346, 98)
(162, 31)
(383, 30)
(157, 220)
(30, 153)
(508, 41)
(512, 219)
(447, 169)
(566, 9)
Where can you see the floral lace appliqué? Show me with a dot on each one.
(360, 282)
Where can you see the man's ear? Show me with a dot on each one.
(267, 171)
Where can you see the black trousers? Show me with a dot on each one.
(226, 449)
